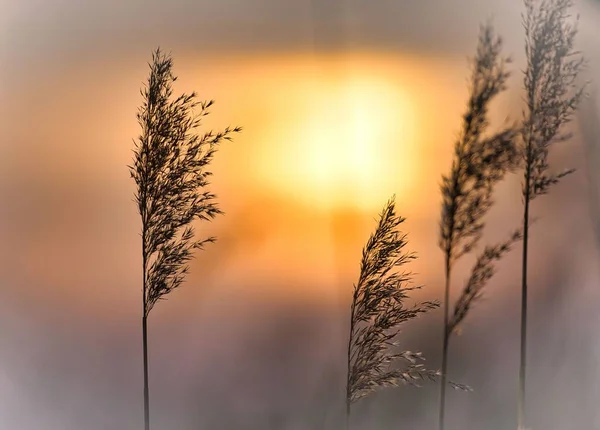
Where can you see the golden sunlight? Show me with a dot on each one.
(333, 133)
(348, 141)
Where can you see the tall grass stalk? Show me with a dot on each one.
(479, 162)
(170, 171)
(551, 97)
(378, 310)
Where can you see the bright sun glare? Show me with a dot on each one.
(348, 141)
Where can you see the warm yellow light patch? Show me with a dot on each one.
(331, 132)
(349, 141)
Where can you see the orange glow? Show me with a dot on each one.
(333, 132)
(349, 143)
(325, 142)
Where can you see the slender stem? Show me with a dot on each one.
(448, 262)
(146, 391)
(445, 346)
(521, 405)
(145, 336)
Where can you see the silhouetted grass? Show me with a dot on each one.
(483, 270)
(479, 163)
(551, 98)
(170, 171)
(378, 309)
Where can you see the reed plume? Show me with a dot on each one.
(378, 310)
(480, 162)
(552, 96)
(170, 170)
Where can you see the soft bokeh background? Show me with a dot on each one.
(343, 104)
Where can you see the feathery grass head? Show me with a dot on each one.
(479, 161)
(377, 311)
(552, 92)
(170, 169)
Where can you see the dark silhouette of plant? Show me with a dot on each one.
(483, 270)
(478, 164)
(378, 310)
(170, 171)
(552, 96)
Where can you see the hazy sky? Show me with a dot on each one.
(342, 104)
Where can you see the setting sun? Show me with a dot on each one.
(351, 140)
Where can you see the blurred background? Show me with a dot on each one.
(343, 104)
